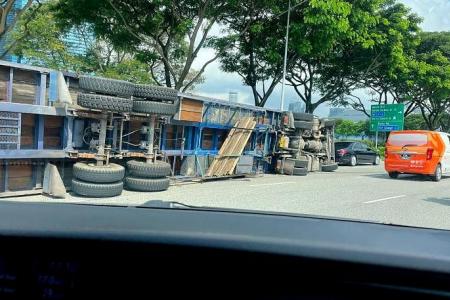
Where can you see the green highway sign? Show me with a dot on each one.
(387, 117)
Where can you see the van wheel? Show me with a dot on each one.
(393, 175)
(353, 161)
(437, 176)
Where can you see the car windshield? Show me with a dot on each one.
(406, 139)
(306, 107)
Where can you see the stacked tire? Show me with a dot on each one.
(151, 99)
(105, 94)
(300, 167)
(90, 180)
(147, 177)
(303, 121)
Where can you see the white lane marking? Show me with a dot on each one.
(275, 183)
(384, 199)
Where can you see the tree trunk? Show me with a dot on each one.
(167, 77)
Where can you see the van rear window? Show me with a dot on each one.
(408, 139)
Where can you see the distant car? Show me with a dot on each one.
(353, 153)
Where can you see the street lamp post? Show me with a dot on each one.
(285, 57)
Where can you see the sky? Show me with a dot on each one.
(218, 84)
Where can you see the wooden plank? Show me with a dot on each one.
(4, 73)
(24, 76)
(53, 122)
(190, 116)
(15, 171)
(225, 162)
(28, 120)
(27, 131)
(3, 90)
(191, 105)
(23, 93)
(2, 176)
(238, 138)
(52, 142)
(21, 183)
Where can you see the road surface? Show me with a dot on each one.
(363, 192)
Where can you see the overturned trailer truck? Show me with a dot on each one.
(105, 134)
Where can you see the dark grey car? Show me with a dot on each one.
(353, 153)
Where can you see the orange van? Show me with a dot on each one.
(417, 152)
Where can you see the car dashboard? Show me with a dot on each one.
(66, 251)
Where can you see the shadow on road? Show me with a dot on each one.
(443, 201)
(406, 177)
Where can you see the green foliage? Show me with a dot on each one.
(350, 128)
(40, 40)
(415, 122)
(168, 33)
(130, 70)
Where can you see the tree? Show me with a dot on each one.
(415, 122)
(254, 46)
(350, 128)
(166, 32)
(38, 38)
(429, 86)
(321, 32)
(10, 15)
(320, 37)
(381, 69)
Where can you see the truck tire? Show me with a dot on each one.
(106, 86)
(151, 107)
(329, 168)
(148, 170)
(303, 117)
(328, 123)
(106, 103)
(303, 125)
(147, 184)
(98, 174)
(299, 163)
(89, 189)
(155, 92)
(300, 172)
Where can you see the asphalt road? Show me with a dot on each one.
(363, 192)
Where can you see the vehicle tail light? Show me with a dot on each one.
(429, 153)
(342, 151)
(385, 153)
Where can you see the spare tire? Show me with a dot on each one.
(303, 125)
(105, 103)
(151, 107)
(89, 189)
(299, 163)
(147, 184)
(106, 86)
(329, 167)
(303, 117)
(155, 92)
(328, 123)
(148, 170)
(99, 174)
(300, 172)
